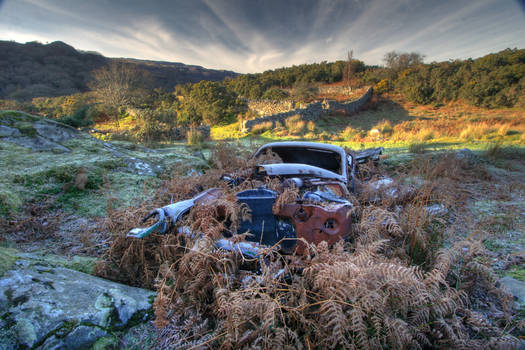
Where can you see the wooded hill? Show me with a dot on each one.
(57, 69)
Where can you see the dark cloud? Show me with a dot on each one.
(253, 35)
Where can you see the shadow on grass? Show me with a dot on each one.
(374, 113)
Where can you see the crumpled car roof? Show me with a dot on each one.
(303, 167)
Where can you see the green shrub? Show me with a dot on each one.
(304, 92)
(80, 119)
(275, 94)
(382, 86)
(494, 80)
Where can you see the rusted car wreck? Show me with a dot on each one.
(322, 175)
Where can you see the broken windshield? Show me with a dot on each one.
(321, 158)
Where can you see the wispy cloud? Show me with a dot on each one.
(256, 35)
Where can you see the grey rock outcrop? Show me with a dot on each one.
(7, 131)
(35, 133)
(36, 143)
(54, 131)
(50, 307)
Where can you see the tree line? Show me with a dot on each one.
(495, 80)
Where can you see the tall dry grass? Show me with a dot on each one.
(261, 128)
(295, 125)
(194, 137)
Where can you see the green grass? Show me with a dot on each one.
(396, 124)
(28, 175)
(516, 272)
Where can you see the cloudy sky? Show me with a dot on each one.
(255, 35)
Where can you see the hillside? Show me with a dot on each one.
(57, 69)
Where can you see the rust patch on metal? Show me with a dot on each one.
(316, 224)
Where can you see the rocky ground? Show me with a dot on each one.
(51, 234)
(52, 230)
(48, 306)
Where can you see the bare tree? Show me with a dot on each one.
(117, 85)
(349, 71)
(398, 61)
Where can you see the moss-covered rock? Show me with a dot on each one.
(56, 307)
(110, 342)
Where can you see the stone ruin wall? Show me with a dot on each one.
(312, 111)
(270, 107)
(342, 90)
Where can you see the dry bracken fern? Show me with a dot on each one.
(367, 294)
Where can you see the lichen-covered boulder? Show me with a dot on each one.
(52, 307)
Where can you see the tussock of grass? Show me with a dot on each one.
(295, 125)
(349, 133)
(417, 148)
(261, 128)
(425, 134)
(194, 137)
(384, 127)
(475, 131)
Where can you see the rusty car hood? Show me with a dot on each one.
(300, 170)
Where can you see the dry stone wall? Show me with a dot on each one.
(312, 111)
(343, 90)
(269, 107)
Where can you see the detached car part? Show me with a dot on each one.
(170, 214)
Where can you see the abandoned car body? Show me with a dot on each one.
(322, 177)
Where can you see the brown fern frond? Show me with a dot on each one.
(334, 323)
(359, 328)
(289, 195)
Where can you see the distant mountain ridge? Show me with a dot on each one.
(56, 69)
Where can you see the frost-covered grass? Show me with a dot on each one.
(28, 175)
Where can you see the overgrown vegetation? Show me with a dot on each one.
(392, 285)
(391, 121)
(404, 279)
